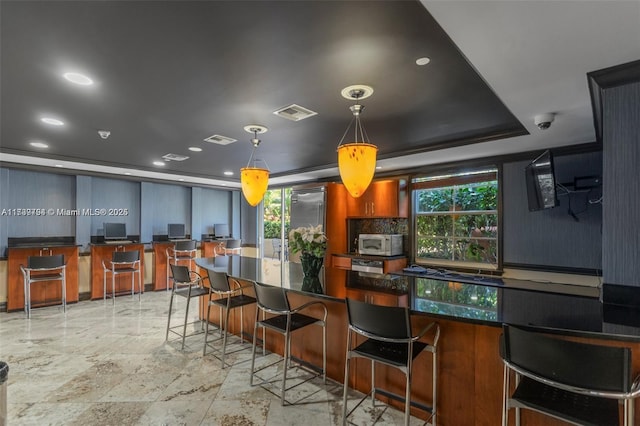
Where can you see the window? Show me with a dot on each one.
(456, 219)
(273, 221)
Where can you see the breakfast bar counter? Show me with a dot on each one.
(470, 318)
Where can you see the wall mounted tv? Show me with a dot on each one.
(176, 230)
(541, 183)
(221, 230)
(115, 231)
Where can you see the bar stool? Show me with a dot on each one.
(233, 247)
(580, 383)
(273, 300)
(187, 284)
(47, 268)
(122, 262)
(182, 251)
(390, 341)
(229, 298)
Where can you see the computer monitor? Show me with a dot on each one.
(115, 231)
(221, 230)
(176, 231)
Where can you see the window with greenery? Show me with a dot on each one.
(456, 219)
(273, 212)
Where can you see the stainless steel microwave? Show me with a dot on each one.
(380, 244)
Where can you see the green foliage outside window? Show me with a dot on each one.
(458, 223)
(273, 212)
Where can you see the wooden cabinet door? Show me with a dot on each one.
(341, 262)
(384, 199)
(381, 199)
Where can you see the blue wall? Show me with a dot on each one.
(145, 207)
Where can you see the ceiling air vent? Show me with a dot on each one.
(294, 112)
(220, 140)
(175, 157)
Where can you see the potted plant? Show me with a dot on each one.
(311, 243)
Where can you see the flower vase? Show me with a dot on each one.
(311, 267)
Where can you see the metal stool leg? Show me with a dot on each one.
(169, 320)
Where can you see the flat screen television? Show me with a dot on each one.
(176, 230)
(221, 230)
(541, 183)
(115, 231)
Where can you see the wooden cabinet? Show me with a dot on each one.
(384, 198)
(104, 252)
(46, 292)
(377, 297)
(341, 262)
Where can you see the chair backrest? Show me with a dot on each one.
(383, 321)
(125, 256)
(44, 262)
(180, 274)
(185, 245)
(271, 298)
(219, 281)
(276, 244)
(578, 364)
(232, 244)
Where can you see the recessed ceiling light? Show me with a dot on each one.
(52, 121)
(78, 78)
(59, 165)
(181, 180)
(422, 61)
(158, 163)
(195, 149)
(378, 167)
(39, 145)
(228, 173)
(127, 173)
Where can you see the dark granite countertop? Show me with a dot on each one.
(566, 309)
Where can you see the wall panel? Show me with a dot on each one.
(553, 237)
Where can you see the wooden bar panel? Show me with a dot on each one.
(160, 264)
(43, 293)
(100, 253)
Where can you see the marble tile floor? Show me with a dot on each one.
(100, 364)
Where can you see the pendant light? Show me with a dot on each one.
(357, 160)
(254, 180)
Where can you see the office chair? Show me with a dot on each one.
(122, 262)
(231, 295)
(284, 320)
(46, 268)
(187, 284)
(579, 383)
(182, 251)
(389, 341)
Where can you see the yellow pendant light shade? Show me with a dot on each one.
(254, 184)
(357, 164)
(357, 160)
(254, 180)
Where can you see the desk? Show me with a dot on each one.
(104, 252)
(470, 367)
(46, 292)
